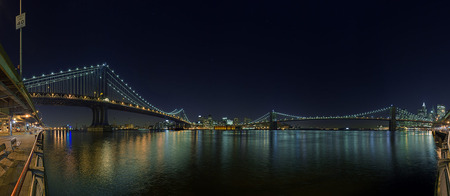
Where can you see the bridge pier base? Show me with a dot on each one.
(95, 116)
(100, 128)
(273, 124)
(100, 119)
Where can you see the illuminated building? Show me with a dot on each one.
(432, 114)
(201, 120)
(236, 121)
(440, 111)
(422, 112)
(229, 122)
(247, 120)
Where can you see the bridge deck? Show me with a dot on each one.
(13, 95)
(90, 102)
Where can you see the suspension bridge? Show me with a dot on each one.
(392, 114)
(99, 88)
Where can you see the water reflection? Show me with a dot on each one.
(240, 162)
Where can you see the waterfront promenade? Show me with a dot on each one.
(11, 165)
(441, 138)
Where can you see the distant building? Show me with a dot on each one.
(440, 112)
(247, 120)
(236, 121)
(229, 122)
(432, 114)
(166, 124)
(224, 121)
(210, 122)
(201, 120)
(422, 112)
(206, 122)
(128, 126)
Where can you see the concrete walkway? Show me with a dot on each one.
(11, 165)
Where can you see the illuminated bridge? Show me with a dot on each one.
(100, 88)
(97, 87)
(392, 114)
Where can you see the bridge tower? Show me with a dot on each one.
(273, 121)
(99, 115)
(393, 119)
(100, 111)
(103, 86)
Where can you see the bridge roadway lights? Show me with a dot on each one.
(99, 119)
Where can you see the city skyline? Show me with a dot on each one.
(229, 97)
(244, 59)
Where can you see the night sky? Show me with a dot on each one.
(245, 58)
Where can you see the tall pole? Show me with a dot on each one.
(20, 53)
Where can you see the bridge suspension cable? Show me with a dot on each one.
(402, 114)
(92, 81)
(267, 115)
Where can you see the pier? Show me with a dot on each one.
(12, 161)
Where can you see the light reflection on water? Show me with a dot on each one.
(240, 162)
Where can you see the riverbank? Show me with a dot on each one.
(12, 163)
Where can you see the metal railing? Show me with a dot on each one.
(33, 174)
(442, 187)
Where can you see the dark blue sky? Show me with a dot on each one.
(245, 58)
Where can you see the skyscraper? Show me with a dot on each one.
(201, 120)
(422, 112)
(432, 114)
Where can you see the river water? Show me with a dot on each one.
(256, 162)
